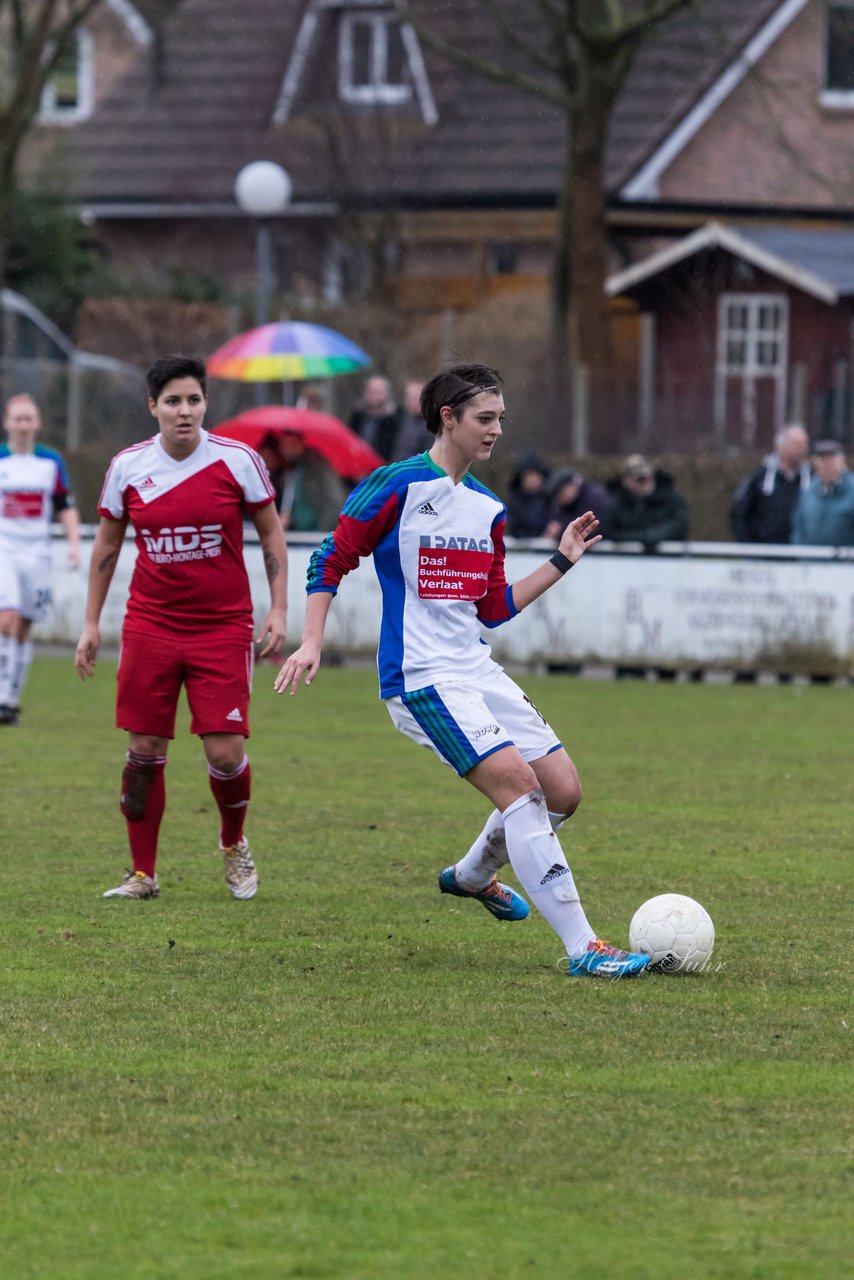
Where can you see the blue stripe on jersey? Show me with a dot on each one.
(430, 712)
(314, 577)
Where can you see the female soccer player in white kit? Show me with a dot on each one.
(437, 538)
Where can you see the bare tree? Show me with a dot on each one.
(34, 34)
(575, 54)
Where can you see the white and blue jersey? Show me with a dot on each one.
(33, 486)
(438, 549)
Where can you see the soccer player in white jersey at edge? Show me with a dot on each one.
(437, 538)
(34, 486)
(189, 614)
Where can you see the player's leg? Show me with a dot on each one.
(540, 865)
(218, 682)
(539, 745)
(454, 722)
(149, 682)
(10, 599)
(36, 599)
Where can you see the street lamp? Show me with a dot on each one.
(263, 190)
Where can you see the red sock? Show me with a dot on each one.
(142, 803)
(231, 792)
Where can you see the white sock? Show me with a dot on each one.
(539, 863)
(22, 669)
(8, 651)
(488, 854)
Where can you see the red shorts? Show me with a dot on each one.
(216, 672)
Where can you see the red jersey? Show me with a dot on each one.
(188, 517)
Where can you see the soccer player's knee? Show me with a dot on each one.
(566, 796)
(136, 784)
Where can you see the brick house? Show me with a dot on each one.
(446, 183)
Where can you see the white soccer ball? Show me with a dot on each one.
(674, 931)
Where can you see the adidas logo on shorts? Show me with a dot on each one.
(234, 715)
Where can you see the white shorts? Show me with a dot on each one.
(25, 585)
(465, 723)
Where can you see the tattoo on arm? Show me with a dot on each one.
(103, 565)
(271, 564)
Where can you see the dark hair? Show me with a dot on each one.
(454, 387)
(169, 367)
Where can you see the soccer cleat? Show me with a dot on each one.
(601, 960)
(240, 873)
(136, 884)
(499, 899)
(8, 715)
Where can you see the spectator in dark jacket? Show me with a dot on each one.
(528, 498)
(376, 417)
(765, 499)
(571, 496)
(647, 508)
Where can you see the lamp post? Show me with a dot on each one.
(262, 190)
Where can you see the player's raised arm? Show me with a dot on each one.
(578, 537)
(105, 556)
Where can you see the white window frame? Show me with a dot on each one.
(751, 368)
(50, 112)
(836, 99)
(379, 90)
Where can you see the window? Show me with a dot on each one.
(752, 336)
(68, 94)
(371, 59)
(838, 89)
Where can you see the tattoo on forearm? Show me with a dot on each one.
(103, 565)
(271, 564)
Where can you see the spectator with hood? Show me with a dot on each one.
(528, 498)
(570, 496)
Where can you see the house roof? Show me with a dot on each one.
(181, 131)
(821, 263)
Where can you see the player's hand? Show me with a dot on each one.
(74, 557)
(579, 536)
(87, 650)
(274, 627)
(300, 665)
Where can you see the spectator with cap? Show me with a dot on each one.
(571, 495)
(647, 507)
(765, 499)
(528, 499)
(824, 514)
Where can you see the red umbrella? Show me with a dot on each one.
(341, 447)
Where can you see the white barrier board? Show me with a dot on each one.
(686, 610)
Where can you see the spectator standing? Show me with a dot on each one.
(376, 417)
(412, 435)
(824, 514)
(528, 498)
(189, 613)
(570, 496)
(34, 486)
(309, 492)
(765, 499)
(646, 506)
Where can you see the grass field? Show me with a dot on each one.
(353, 1078)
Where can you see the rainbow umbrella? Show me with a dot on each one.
(289, 351)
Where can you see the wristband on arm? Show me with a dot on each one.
(561, 562)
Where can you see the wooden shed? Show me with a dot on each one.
(741, 331)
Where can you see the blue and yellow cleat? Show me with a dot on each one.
(499, 899)
(601, 960)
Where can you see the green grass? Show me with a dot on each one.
(353, 1078)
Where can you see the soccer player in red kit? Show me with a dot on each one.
(189, 614)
